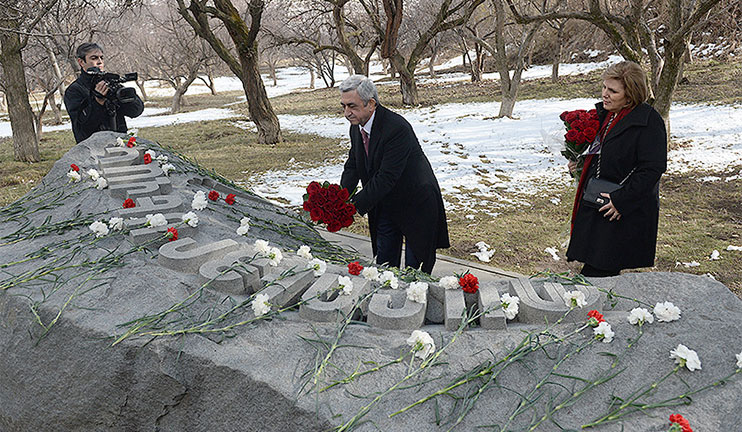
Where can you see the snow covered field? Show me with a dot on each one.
(505, 158)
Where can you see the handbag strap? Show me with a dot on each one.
(597, 173)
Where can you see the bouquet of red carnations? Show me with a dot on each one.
(582, 126)
(328, 203)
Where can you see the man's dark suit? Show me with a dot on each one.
(398, 181)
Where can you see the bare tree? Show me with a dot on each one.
(246, 63)
(662, 28)
(17, 21)
(449, 15)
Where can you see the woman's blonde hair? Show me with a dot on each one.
(633, 78)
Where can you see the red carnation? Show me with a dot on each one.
(213, 195)
(229, 199)
(75, 167)
(469, 283)
(681, 421)
(355, 268)
(132, 142)
(129, 203)
(595, 318)
(147, 158)
(172, 234)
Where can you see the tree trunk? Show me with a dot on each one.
(259, 106)
(140, 85)
(668, 81)
(507, 106)
(557, 59)
(182, 89)
(477, 64)
(56, 110)
(311, 78)
(408, 86)
(431, 65)
(25, 141)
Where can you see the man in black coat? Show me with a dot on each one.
(400, 192)
(91, 112)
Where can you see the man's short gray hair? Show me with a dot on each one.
(365, 87)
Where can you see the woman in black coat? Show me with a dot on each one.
(630, 149)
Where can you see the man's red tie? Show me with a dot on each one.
(364, 135)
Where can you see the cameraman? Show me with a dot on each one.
(91, 108)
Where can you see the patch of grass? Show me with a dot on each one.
(198, 101)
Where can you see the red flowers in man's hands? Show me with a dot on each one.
(328, 203)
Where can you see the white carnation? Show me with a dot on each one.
(666, 312)
(345, 285)
(686, 357)
(305, 252)
(318, 266)
(275, 256)
(101, 183)
(604, 332)
(74, 176)
(370, 273)
(199, 201)
(262, 247)
(190, 218)
(739, 360)
(120, 142)
(99, 228)
(156, 220)
(166, 168)
(418, 292)
(449, 282)
(93, 173)
(509, 305)
(116, 223)
(260, 305)
(422, 344)
(575, 298)
(162, 159)
(387, 278)
(640, 316)
(151, 154)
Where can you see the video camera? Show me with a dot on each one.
(117, 93)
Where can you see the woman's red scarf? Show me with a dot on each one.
(604, 129)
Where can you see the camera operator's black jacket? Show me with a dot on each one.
(88, 116)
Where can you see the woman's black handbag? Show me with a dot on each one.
(596, 186)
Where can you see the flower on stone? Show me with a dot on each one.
(132, 142)
(262, 247)
(162, 158)
(575, 298)
(418, 292)
(93, 174)
(317, 266)
(213, 195)
(422, 344)
(101, 183)
(345, 285)
(132, 132)
(99, 228)
(147, 159)
(739, 360)
(469, 283)
(594, 318)
(230, 199)
(151, 153)
(370, 273)
(509, 305)
(129, 203)
(640, 316)
(172, 234)
(275, 256)
(199, 201)
(244, 226)
(355, 268)
(120, 142)
(156, 220)
(666, 312)
(75, 168)
(116, 223)
(679, 424)
(686, 357)
(387, 278)
(166, 168)
(449, 282)
(260, 305)
(305, 252)
(74, 176)
(191, 219)
(603, 332)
